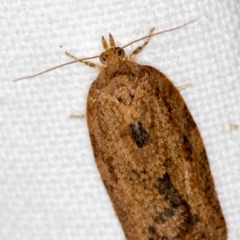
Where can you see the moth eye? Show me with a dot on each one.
(103, 59)
(121, 53)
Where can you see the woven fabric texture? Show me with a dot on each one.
(49, 185)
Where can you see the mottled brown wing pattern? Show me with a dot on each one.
(151, 156)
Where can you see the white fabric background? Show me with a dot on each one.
(49, 185)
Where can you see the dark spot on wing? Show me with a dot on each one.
(139, 134)
(187, 149)
(170, 194)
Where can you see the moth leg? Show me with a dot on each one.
(77, 116)
(90, 64)
(140, 48)
(184, 86)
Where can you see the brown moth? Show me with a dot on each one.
(149, 152)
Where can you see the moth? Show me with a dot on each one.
(149, 152)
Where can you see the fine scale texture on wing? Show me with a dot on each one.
(151, 156)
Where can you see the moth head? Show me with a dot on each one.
(111, 54)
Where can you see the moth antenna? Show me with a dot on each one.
(53, 68)
(105, 46)
(104, 43)
(111, 41)
(161, 32)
